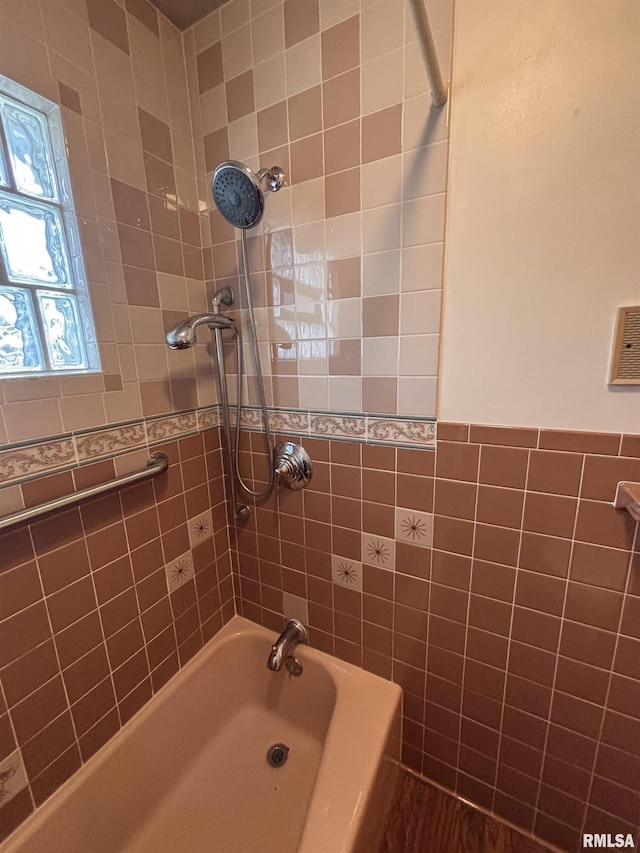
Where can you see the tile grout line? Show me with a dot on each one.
(537, 811)
(466, 623)
(509, 638)
(605, 704)
(18, 746)
(53, 635)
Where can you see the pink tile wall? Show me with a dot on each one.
(494, 582)
(347, 262)
(117, 70)
(100, 606)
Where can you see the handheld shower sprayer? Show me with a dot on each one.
(238, 195)
(183, 335)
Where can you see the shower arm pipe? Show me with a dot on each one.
(425, 37)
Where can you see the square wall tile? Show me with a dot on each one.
(419, 355)
(380, 356)
(414, 527)
(341, 47)
(381, 273)
(303, 65)
(382, 28)
(420, 313)
(346, 572)
(382, 82)
(342, 193)
(270, 81)
(382, 182)
(301, 20)
(295, 607)
(379, 395)
(179, 571)
(379, 551)
(417, 396)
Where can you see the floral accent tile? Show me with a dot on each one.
(108, 442)
(414, 527)
(170, 427)
(379, 551)
(200, 528)
(18, 463)
(346, 572)
(179, 571)
(251, 418)
(13, 777)
(209, 418)
(398, 431)
(290, 422)
(295, 607)
(338, 426)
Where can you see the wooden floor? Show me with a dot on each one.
(424, 819)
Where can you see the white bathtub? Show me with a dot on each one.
(189, 774)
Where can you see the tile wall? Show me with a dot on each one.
(117, 70)
(91, 622)
(99, 607)
(491, 578)
(494, 581)
(347, 262)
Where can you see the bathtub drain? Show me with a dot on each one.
(277, 754)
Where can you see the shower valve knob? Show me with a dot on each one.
(292, 465)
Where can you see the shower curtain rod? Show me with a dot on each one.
(425, 37)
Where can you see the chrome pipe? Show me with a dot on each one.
(260, 493)
(237, 510)
(425, 37)
(156, 464)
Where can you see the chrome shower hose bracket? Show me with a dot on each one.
(292, 465)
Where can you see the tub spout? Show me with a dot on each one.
(294, 633)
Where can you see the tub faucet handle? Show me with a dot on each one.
(294, 633)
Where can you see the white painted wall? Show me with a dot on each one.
(543, 225)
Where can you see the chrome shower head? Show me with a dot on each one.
(238, 194)
(183, 335)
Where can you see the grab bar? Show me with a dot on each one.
(156, 464)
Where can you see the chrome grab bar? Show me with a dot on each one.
(156, 464)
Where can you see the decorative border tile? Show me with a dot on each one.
(166, 428)
(346, 572)
(338, 426)
(397, 431)
(250, 418)
(109, 442)
(289, 421)
(20, 463)
(209, 417)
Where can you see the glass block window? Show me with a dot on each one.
(46, 326)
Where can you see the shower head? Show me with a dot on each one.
(183, 335)
(238, 194)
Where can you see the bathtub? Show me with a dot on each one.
(189, 773)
